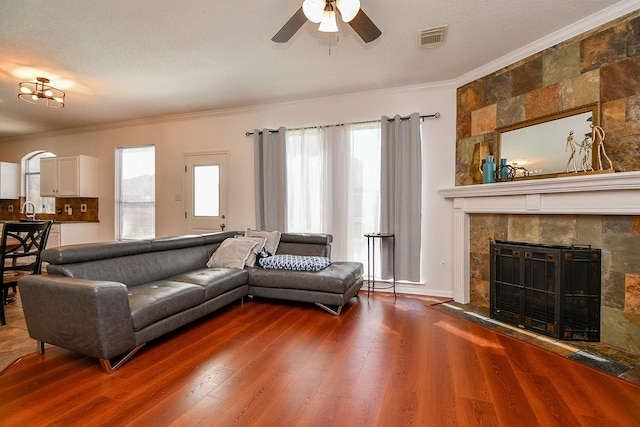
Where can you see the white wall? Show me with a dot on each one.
(225, 132)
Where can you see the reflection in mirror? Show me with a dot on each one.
(550, 145)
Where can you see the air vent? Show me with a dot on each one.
(432, 37)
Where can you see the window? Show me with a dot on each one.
(333, 174)
(206, 190)
(135, 192)
(32, 182)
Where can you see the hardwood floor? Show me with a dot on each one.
(270, 363)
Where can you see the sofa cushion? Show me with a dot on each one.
(273, 239)
(295, 262)
(94, 251)
(259, 247)
(232, 253)
(336, 278)
(137, 269)
(154, 301)
(305, 244)
(214, 281)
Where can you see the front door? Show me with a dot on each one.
(205, 192)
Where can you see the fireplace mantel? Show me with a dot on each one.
(595, 194)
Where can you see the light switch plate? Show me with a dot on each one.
(83, 207)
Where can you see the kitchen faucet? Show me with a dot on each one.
(25, 210)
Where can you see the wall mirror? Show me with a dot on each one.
(540, 146)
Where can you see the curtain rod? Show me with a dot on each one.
(428, 116)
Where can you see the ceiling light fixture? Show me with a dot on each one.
(324, 12)
(40, 93)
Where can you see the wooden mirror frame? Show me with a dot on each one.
(557, 144)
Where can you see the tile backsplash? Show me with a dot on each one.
(81, 208)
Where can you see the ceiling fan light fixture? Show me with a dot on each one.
(328, 24)
(348, 9)
(40, 93)
(313, 10)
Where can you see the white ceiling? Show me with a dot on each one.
(120, 60)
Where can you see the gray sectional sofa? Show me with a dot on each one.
(106, 300)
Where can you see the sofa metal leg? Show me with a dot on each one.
(109, 368)
(40, 347)
(325, 308)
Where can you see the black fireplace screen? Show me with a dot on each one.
(554, 290)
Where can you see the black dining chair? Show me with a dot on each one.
(22, 245)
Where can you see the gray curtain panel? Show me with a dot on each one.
(401, 195)
(270, 179)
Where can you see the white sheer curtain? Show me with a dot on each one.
(333, 185)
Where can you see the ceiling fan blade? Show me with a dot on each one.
(291, 27)
(365, 27)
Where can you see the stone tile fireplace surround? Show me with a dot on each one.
(602, 210)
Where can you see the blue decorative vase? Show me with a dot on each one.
(504, 170)
(488, 170)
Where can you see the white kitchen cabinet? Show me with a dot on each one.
(9, 180)
(72, 233)
(69, 176)
(54, 236)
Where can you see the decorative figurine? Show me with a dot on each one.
(585, 150)
(597, 136)
(571, 144)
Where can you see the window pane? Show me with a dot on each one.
(136, 193)
(32, 185)
(33, 164)
(137, 220)
(206, 190)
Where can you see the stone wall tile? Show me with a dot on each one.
(632, 293)
(542, 102)
(612, 287)
(483, 120)
(618, 224)
(463, 126)
(465, 158)
(632, 116)
(581, 90)
(620, 331)
(527, 77)
(589, 230)
(613, 118)
(471, 96)
(624, 153)
(604, 48)
(560, 64)
(558, 231)
(620, 80)
(625, 253)
(510, 111)
(498, 88)
(524, 228)
(633, 38)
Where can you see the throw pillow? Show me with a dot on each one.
(232, 253)
(260, 242)
(295, 262)
(273, 239)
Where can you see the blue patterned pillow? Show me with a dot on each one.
(295, 262)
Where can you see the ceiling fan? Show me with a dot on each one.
(324, 12)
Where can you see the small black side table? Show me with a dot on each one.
(371, 260)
